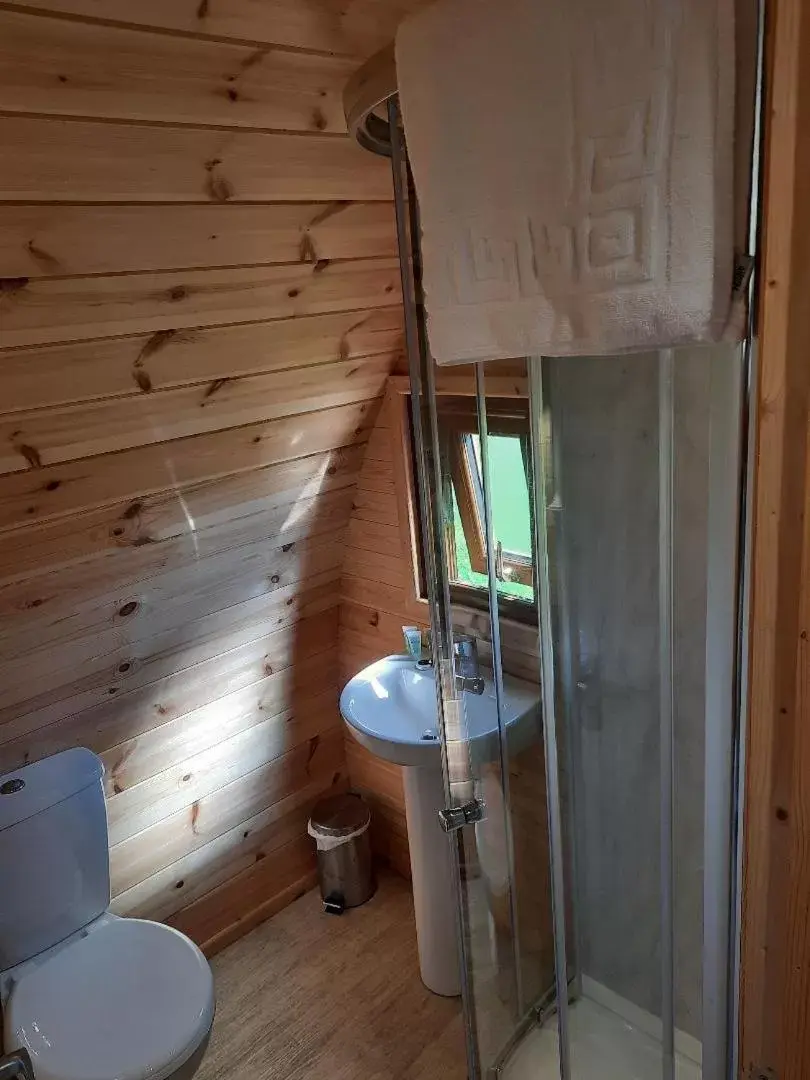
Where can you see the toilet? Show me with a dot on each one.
(90, 995)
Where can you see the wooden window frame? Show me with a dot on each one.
(470, 605)
(511, 566)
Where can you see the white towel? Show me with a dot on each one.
(574, 164)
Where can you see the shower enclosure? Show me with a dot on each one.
(585, 520)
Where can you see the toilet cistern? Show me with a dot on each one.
(88, 995)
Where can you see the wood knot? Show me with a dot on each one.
(45, 258)
(212, 388)
(306, 249)
(132, 511)
(142, 380)
(31, 455)
(155, 342)
(254, 58)
(314, 743)
(11, 285)
(178, 292)
(218, 188)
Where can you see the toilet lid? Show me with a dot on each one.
(131, 1000)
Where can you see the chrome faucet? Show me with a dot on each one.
(468, 666)
(16, 1066)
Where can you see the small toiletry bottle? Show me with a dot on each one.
(417, 643)
(413, 641)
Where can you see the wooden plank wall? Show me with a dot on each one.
(372, 613)
(198, 310)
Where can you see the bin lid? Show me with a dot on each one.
(340, 815)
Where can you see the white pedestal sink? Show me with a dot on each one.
(390, 708)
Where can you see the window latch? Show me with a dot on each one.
(499, 574)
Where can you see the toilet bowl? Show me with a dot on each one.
(90, 995)
(123, 1000)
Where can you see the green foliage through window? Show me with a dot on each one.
(510, 515)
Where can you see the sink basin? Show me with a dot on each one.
(390, 707)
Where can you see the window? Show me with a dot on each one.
(465, 541)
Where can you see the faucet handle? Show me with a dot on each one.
(473, 684)
(465, 650)
(465, 647)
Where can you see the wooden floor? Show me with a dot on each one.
(308, 996)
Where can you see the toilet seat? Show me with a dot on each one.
(129, 1000)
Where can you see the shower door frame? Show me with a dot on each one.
(460, 787)
(456, 765)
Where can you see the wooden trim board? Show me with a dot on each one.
(775, 975)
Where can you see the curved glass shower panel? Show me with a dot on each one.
(640, 505)
(605, 430)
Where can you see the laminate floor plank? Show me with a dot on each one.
(308, 995)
